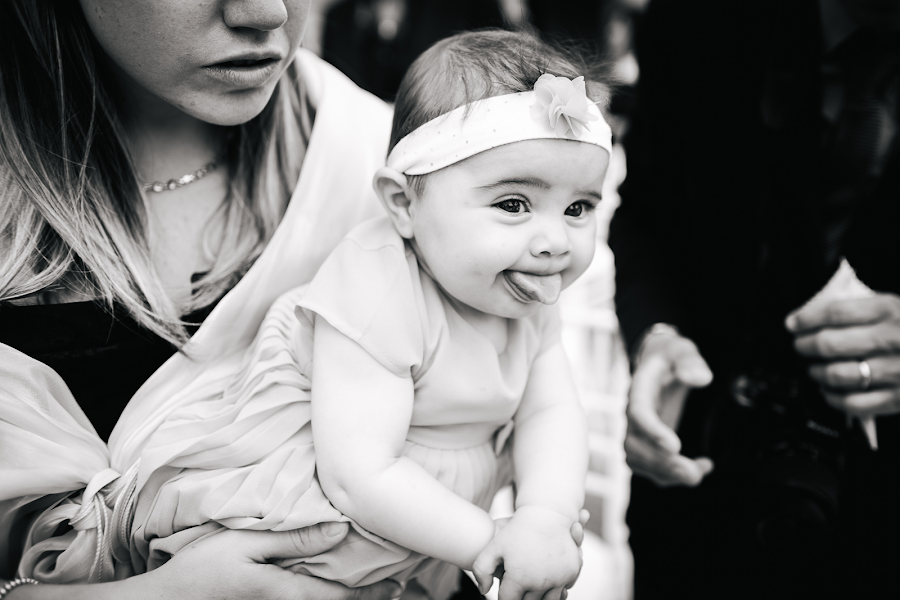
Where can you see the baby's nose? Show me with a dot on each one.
(551, 240)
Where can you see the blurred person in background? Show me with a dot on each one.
(375, 41)
(762, 160)
(581, 20)
(602, 27)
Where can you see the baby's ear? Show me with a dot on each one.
(393, 190)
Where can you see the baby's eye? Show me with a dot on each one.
(512, 205)
(577, 209)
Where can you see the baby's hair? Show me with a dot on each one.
(475, 65)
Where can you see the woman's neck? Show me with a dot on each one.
(166, 142)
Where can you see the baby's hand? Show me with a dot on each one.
(538, 555)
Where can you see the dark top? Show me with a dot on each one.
(104, 358)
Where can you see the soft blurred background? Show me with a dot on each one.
(373, 42)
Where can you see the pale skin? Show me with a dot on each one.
(527, 207)
(668, 366)
(160, 51)
(835, 335)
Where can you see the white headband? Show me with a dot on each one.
(558, 108)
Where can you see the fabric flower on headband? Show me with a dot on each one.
(562, 104)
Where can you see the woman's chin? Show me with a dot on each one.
(233, 108)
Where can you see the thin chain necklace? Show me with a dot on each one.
(188, 178)
(164, 186)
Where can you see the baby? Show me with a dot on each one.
(427, 336)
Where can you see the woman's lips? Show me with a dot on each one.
(244, 74)
(528, 287)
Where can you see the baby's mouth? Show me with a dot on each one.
(528, 287)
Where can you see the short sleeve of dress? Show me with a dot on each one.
(367, 289)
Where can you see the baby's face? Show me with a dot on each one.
(507, 229)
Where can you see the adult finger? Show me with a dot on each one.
(500, 524)
(847, 375)
(309, 541)
(850, 342)
(577, 531)
(664, 468)
(876, 402)
(644, 457)
(844, 313)
(584, 516)
(383, 590)
(687, 364)
(510, 590)
(643, 420)
(688, 472)
(484, 567)
(554, 594)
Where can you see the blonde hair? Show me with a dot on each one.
(71, 211)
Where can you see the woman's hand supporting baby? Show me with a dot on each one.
(230, 564)
(233, 564)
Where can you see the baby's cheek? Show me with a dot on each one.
(483, 266)
(587, 241)
(581, 260)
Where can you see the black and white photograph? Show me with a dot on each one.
(449, 299)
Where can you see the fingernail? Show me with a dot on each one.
(700, 375)
(791, 322)
(333, 528)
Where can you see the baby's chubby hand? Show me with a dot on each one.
(540, 558)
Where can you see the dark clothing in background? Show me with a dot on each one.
(354, 42)
(722, 232)
(584, 21)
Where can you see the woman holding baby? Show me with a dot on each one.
(169, 171)
(160, 159)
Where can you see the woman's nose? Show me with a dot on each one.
(264, 15)
(551, 240)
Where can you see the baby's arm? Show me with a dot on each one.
(550, 455)
(361, 414)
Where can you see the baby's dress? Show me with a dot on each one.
(254, 466)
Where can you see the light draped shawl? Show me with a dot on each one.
(55, 470)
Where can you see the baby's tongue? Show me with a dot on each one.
(538, 288)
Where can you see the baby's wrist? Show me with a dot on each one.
(545, 513)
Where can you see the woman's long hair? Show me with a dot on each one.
(71, 211)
